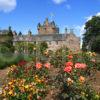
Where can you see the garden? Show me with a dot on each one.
(43, 74)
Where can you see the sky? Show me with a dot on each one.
(24, 15)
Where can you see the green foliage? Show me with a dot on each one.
(91, 38)
(96, 45)
(42, 46)
(75, 93)
(59, 57)
(9, 59)
(6, 42)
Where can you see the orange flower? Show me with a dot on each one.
(81, 79)
(38, 65)
(47, 65)
(80, 65)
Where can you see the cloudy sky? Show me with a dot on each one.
(23, 15)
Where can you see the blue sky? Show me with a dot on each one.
(23, 15)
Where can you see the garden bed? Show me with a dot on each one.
(64, 75)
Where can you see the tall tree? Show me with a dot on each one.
(91, 38)
(9, 42)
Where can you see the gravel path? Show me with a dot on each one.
(3, 76)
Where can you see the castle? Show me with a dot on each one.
(47, 27)
(49, 32)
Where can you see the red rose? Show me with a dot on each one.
(68, 69)
(68, 64)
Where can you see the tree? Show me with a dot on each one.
(91, 38)
(6, 41)
(9, 42)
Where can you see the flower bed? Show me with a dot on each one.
(35, 79)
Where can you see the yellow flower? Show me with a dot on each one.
(4, 93)
(36, 76)
(0, 91)
(34, 48)
(11, 93)
(26, 86)
(83, 93)
(10, 83)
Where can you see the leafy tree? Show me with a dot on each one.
(96, 45)
(91, 38)
(9, 42)
(6, 41)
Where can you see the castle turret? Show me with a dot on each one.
(47, 27)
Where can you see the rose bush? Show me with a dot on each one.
(61, 70)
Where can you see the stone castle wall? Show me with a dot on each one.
(49, 33)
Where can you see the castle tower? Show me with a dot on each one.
(47, 27)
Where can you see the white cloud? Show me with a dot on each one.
(80, 29)
(7, 5)
(58, 1)
(98, 14)
(68, 6)
(90, 17)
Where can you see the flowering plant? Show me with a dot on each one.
(75, 85)
(27, 81)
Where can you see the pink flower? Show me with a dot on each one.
(80, 65)
(38, 65)
(68, 69)
(68, 64)
(47, 65)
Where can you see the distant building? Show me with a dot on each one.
(49, 32)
